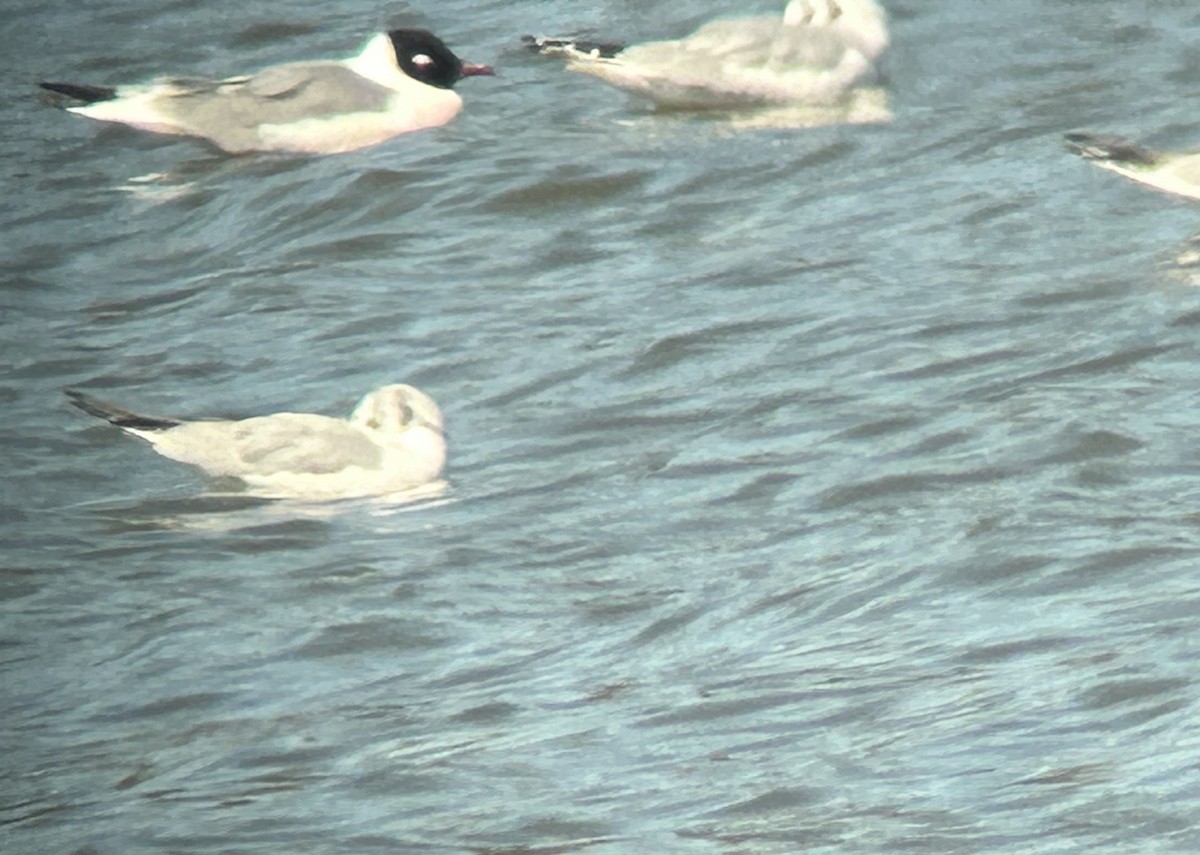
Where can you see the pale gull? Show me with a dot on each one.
(818, 53)
(392, 442)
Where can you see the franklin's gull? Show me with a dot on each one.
(401, 81)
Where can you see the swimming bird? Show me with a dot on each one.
(815, 54)
(401, 81)
(1171, 172)
(393, 441)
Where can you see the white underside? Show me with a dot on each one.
(403, 467)
(1167, 177)
(324, 135)
(726, 86)
(349, 484)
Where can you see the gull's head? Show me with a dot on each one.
(861, 22)
(426, 58)
(397, 408)
(811, 13)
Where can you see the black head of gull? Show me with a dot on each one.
(425, 58)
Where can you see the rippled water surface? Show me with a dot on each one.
(811, 490)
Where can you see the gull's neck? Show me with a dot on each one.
(377, 62)
(814, 13)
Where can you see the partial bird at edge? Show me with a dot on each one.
(1176, 173)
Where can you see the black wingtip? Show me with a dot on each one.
(81, 91)
(1109, 148)
(115, 415)
(559, 45)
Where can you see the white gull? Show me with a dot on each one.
(816, 54)
(393, 441)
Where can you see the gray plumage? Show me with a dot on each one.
(230, 112)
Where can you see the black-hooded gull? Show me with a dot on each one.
(401, 81)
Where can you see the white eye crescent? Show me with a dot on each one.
(422, 59)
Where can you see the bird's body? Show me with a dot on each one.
(815, 54)
(1177, 173)
(400, 82)
(393, 441)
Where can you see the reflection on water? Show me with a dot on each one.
(243, 512)
(1184, 265)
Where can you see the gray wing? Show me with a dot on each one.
(748, 43)
(303, 89)
(302, 443)
(737, 63)
(298, 443)
(746, 37)
(180, 87)
(230, 111)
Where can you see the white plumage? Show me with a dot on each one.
(816, 54)
(392, 442)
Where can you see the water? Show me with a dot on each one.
(825, 490)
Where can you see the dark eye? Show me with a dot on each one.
(835, 11)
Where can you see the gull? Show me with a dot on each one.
(816, 54)
(392, 442)
(1171, 172)
(400, 82)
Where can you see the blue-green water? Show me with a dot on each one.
(830, 490)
